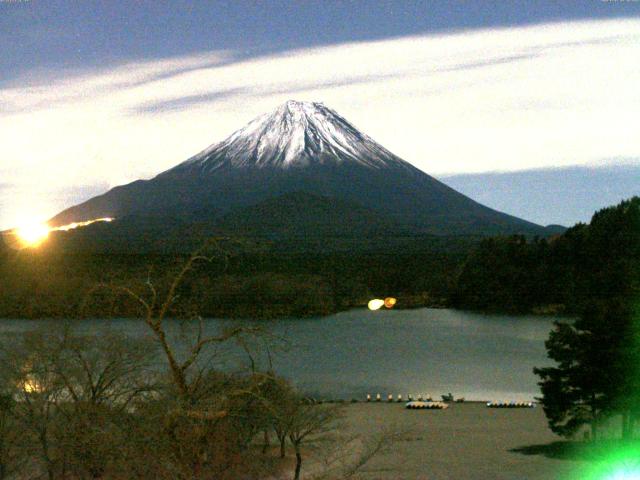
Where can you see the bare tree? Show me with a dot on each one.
(94, 406)
(29, 362)
(207, 418)
(71, 396)
(346, 457)
(155, 308)
(102, 377)
(307, 419)
(279, 399)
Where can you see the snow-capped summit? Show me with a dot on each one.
(295, 134)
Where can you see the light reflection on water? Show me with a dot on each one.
(423, 351)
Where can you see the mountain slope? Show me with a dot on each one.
(305, 215)
(301, 147)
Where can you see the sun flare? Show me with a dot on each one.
(32, 233)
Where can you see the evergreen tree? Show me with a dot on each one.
(597, 356)
(573, 393)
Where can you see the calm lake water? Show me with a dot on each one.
(350, 354)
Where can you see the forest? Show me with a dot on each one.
(554, 275)
(253, 278)
(241, 279)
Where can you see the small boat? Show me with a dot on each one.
(447, 398)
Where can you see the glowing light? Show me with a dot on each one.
(32, 233)
(625, 472)
(618, 462)
(375, 304)
(71, 226)
(625, 475)
(389, 302)
(30, 385)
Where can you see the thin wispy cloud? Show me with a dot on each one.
(505, 99)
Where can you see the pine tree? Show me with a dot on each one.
(598, 355)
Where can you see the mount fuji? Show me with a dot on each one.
(303, 170)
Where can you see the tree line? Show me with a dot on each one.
(513, 274)
(257, 282)
(545, 275)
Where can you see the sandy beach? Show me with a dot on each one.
(466, 441)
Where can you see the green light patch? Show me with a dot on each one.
(619, 463)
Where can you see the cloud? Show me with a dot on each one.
(183, 102)
(502, 99)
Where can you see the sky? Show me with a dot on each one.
(94, 94)
(560, 196)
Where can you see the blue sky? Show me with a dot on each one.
(97, 93)
(552, 196)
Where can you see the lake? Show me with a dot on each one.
(422, 351)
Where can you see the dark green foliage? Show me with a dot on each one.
(598, 355)
(573, 393)
(559, 274)
(503, 274)
(261, 279)
(515, 274)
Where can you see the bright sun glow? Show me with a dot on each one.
(32, 233)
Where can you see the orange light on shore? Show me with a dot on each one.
(389, 302)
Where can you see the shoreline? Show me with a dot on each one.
(542, 312)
